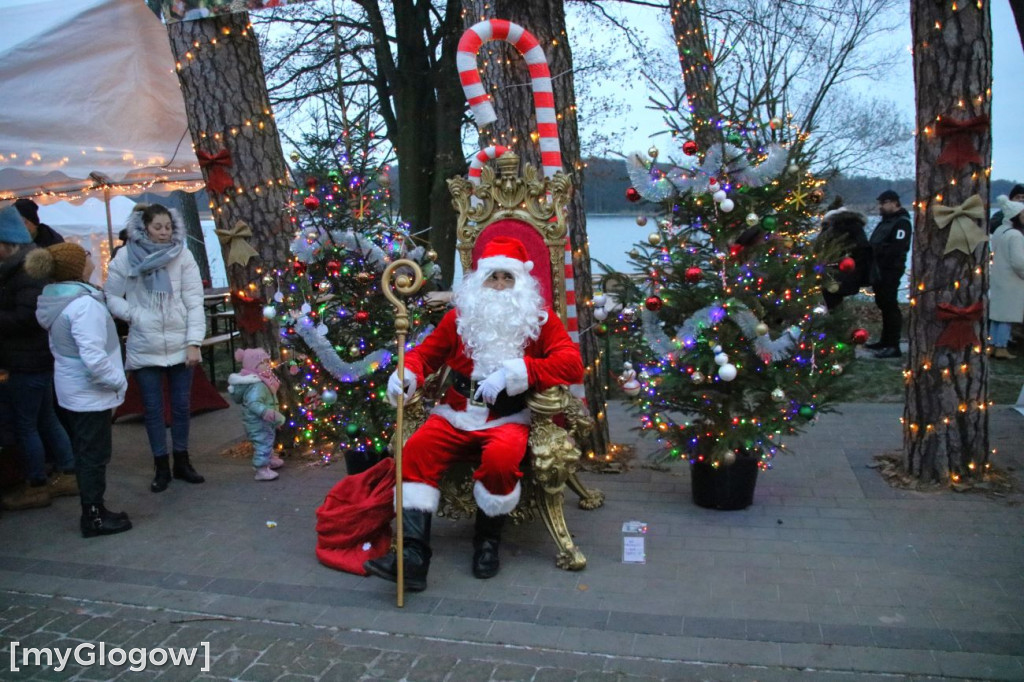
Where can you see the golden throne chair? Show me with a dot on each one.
(531, 209)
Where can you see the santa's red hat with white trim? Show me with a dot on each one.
(506, 254)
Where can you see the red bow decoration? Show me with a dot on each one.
(248, 312)
(959, 150)
(959, 333)
(216, 165)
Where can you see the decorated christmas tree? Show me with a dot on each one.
(337, 327)
(730, 344)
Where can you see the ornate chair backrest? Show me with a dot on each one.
(525, 206)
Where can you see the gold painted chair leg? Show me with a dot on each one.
(569, 558)
(590, 498)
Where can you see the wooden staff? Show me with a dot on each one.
(406, 287)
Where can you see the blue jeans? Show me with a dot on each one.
(999, 332)
(151, 386)
(30, 395)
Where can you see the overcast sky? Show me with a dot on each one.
(1007, 88)
(631, 132)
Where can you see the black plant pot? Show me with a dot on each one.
(727, 487)
(357, 462)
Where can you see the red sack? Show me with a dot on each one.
(354, 522)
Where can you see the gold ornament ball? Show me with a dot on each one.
(363, 277)
(268, 279)
(761, 329)
(641, 220)
(778, 395)
(633, 253)
(654, 238)
(696, 377)
(832, 287)
(652, 152)
(775, 123)
(383, 179)
(294, 156)
(354, 351)
(431, 255)
(729, 458)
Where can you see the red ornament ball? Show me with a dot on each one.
(361, 316)
(601, 329)
(299, 268)
(311, 182)
(311, 203)
(694, 275)
(333, 268)
(690, 147)
(847, 265)
(632, 194)
(735, 250)
(860, 335)
(653, 303)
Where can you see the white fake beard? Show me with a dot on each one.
(496, 325)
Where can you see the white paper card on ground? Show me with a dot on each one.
(633, 542)
(1020, 401)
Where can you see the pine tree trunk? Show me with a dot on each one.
(698, 69)
(946, 415)
(428, 106)
(513, 104)
(228, 108)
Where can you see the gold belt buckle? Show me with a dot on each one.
(472, 395)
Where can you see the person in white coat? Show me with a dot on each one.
(154, 285)
(88, 372)
(1006, 282)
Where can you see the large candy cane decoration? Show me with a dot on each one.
(540, 76)
(476, 166)
(547, 125)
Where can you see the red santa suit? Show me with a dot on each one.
(492, 436)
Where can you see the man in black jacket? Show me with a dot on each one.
(42, 234)
(889, 245)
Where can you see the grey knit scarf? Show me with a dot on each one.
(148, 261)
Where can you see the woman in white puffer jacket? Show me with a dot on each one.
(154, 284)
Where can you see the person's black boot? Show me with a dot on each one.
(163, 474)
(416, 550)
(486, 538)
(183, 468)
(98, 520)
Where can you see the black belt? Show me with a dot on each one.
(504, 405)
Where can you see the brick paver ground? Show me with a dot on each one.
(831, 574)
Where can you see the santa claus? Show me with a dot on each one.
(499, 341)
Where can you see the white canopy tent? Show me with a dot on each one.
(91, 103)
(85, 225)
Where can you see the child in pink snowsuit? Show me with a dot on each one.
(255, 388)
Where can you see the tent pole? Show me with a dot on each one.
(110, 224)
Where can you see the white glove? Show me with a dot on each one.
(395, 387)
(492, 386)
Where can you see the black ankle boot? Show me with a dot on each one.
(163, 474)
(98, 520)
(183, 469)
(416, 551)
(486, 538)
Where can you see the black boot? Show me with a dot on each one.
(486, 538)
(163, 474)
(416, 550)
(98, 520)
(183, 468)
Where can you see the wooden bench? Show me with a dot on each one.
(210, 343)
